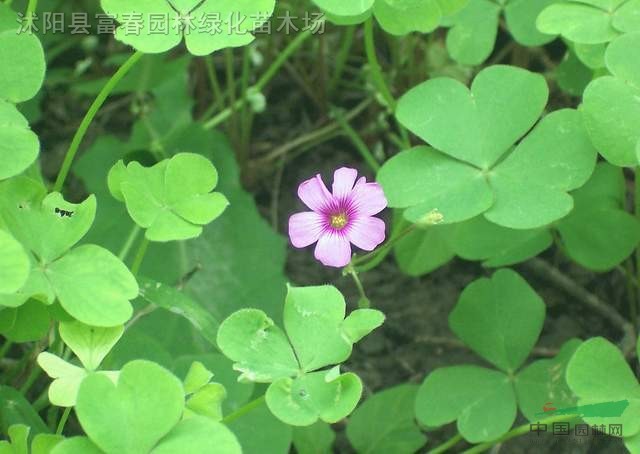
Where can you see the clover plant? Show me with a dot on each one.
(157, 204)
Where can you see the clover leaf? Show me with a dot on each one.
(385, 422)
(610, 106)
(590, 21)
(19, 146)
(474, 29)
(398, 17)
(23, 63)
(475, 172)
(203, 397)
(317, 335)
(91, 345)
(598, 373)
(144, 407)
(172, 199)
(14, 264)
(155, 26)
(19, 434)
(92, 284)
(500, 319)
(599, 233)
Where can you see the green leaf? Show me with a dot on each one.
(598, 373)
(423, 250)
(599, 234)
(14, 264)
(199, 436)
(237, 394)
(90, 344)
(30, 322)
(481, 400)
(301, 401)
(259, 432)
(172, 199)
(556, 157)
(197, 377)
(573, 75)
(473, 34)
(360, 323)
(145, 404)
(36, 221)
(401, 17)
(207, 402)
(94, 286)
(521, 20)
(19, 146)
(479, 239)
(23, 66)
(579, 21)
(592, 55)
(478, 125)
(317, 438)
(385, 423)
(178, 303)
(610, 106)
(544, 381)
(191, 19)
(19, 436)
(44, 443)
(260, 349)
(348, 9)
(499, 318)
(76, 445)
(15, 409)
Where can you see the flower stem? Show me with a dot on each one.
(243, 410)
(30, 13)
(444, 447)
(520, 430)
(372, 259)
(356, 140)
(63, 420)
(269, 74)
(89, 117)
(126, 247)
(363, 302)
(374, 64)
(137, 261)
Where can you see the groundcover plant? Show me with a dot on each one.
(318, 226)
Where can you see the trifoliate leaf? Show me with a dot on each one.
(89, 343)
(172, 199)
(155, 26)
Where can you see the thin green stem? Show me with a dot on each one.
(373, 259)
(269, 74)
(5, 348)
(128, 244)
(213, 80)
(342, 57)
(363, 302)
(636, 200)
(63, 420)
(30, 13)
(374, 65)
(89, 117)
(231, 87)
(33, 376)
(137, 261)
(444, 447)
(357, 141)
(243, 410)
(518, 431)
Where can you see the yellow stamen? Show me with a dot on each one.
(338, 221)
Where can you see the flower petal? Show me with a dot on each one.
(314, 193)
(366, 233)
(368, 198)
(305, 228)
(333, 249)
(343, 180)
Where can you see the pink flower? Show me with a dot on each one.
(339, 218)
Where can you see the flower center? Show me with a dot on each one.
(338, 221)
